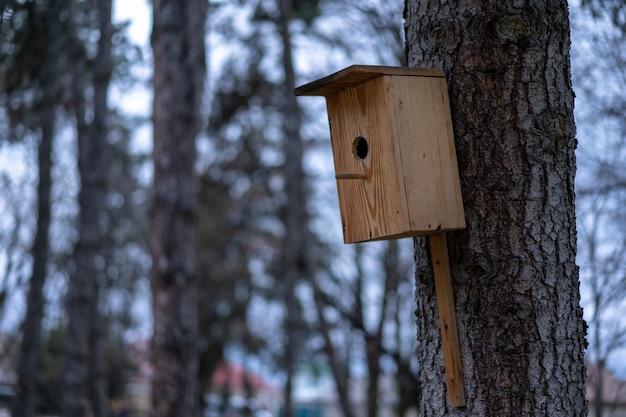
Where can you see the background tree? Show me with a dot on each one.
(375, 310)
(179, 72)
(369, 302)
(261, 175)
(84, 333)
(45, 39)
(601, 185)
(604, 283)
(49, 370)
(514, 273)
(296, 250)
(23, 77)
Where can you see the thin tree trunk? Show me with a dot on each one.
(296, 220)
(406, 380)
(24, 403)
(179, 72)
(298, 259)
(594, 322)
(98, 135)
(373, 354)
(599, 389)
(373, 341)
(341, 378)
(514, 273)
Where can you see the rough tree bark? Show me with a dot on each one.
(24, 403)
(179, 72)
(514, 272)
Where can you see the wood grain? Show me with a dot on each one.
(358, 74)
(409, 180)
(447, 320)
(373, 206)
(407, 184)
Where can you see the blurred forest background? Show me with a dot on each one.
(76, 191)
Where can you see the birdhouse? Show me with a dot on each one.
(393, 150)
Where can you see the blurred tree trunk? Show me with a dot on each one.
(373, 341)
(295, 214)
(296, 219)
(103, 67)
(514, 274)
(341, 378)
(179, 72)
(85, 326)
(598, 406)
(24, 403)
(374, 348)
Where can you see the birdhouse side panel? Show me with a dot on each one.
(430, 173)
(452, 192)
(371, 199)
(411, 107)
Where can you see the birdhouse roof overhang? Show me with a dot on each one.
(358, 74)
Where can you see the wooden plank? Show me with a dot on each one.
(447, 320)
(357, 74)
(452, 196)
(370, 194)
(426, 153)
(416, 133)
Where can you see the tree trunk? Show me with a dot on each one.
(84, 329)
(599, 389)
(179, 72)
(24, 403)
(514, 273)
(373, 352)
(373, 341)
(98, 135)
(340, 378)
(296, 218)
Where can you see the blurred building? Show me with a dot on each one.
(234, 391)
(138, 392)
(613, 393)
(245, 387)
(315, 394)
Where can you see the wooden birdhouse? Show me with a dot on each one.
(397, 174)
(393, 149)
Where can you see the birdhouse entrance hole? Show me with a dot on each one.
(360, 148)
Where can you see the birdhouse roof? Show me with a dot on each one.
(357, 74)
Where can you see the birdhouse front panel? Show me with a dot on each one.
(393, 151)
(371, 194)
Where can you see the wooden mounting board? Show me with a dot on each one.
(447, 320)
